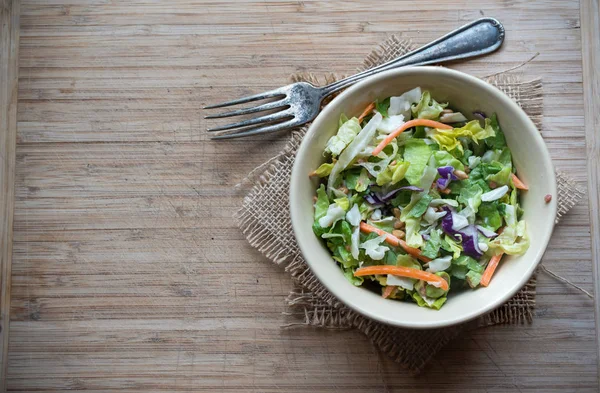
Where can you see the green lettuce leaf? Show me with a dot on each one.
(324, 169)
(344, 203)
(469, 263)
(473, 278)
(497, 141)
(452, 246)
(427, 108)
(383, 106)
(417, 153)
(339, 234)
(514, 240)
(501, 178)
(346, 133)
(420, 207)
(448, 139)
(471, 196)
(322, 203)
(393, 173)
(413, 237)
(444, 158)
(349, 274)
(490, 216)
(432, 247)
(408, 261)
(357, 179)
(437, 304)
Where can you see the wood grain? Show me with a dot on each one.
(9, 55)
(590, 47)
(129, 272)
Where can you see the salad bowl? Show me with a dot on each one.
(466, 94)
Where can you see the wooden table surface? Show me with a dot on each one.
(128, 270)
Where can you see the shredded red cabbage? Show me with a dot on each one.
(447, 175)
(391, 194)
(374, 200)
(468, 235)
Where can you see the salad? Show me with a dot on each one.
(416, 200)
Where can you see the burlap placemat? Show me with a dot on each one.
(265, 220)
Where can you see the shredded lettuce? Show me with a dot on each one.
(390, 124)
(393, 173)
(417, 153)
(322, 203)
(356, 146)
(346, 134)
(401, 105)
(413, 237)
(374, 249)
(433, 245)
(427, 108)
(448, 139)
(453, 223)
(471, 196)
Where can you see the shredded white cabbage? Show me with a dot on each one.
(495, 194)
(355, 147)
(355, 239)
(439, 202)
(390, 124)
(439, 264)
(474, 161)
(459, 221)
(401, 105)
(402, 282)
(353, 215)
(432, 216)
(334, 214)
(374, 249)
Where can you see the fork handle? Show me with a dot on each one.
(477, 38)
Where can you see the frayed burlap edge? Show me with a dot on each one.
(264, 219)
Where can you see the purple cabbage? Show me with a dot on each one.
(391, 194)
(378, 199)
(374, 200)
(447, 175)
(486, 232)
(468, 234)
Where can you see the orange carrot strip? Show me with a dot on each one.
(367, 110)
(402, 271)
(490, 269)
(393, 240)
(518, 183)
(406, 126)
(388, 291)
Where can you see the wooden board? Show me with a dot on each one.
(9, 53)
(129, 272)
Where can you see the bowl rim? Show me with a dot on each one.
(297, 173)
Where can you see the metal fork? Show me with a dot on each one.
(300, 102)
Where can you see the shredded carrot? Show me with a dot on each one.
(388, 291)
(406, 126)
(490, 269)
(393, 240)
(518, 183)
(402, 271)
(367, 110)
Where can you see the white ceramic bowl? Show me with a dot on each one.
(465, 93)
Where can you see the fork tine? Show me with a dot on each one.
(258, 130)
(261, 119)
(245, 111)
(255, 97)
